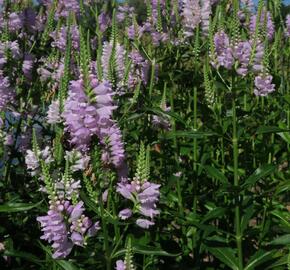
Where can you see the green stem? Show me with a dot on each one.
(106, 237)
(180, 204)
(236, 184)
(195, 148)
(152, 78)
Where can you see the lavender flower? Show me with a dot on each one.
(223, 51)
(191, 16)
(270, 28)
(28, 65)
(78, 161)
(7, 93)
(139, 69)
(113, 152)
(124, 11)
(15, 21)
(119, 55)
(120, 265)
(31, 160)
(205, 15)
(104, 21)
(144, 195)
(144, 223)
(82, 119)
(53, 114)
(60, 38)
(258, 58)
(66, 226)
(125, 213)
(242, 53)
(263, 85)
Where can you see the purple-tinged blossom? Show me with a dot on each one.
(205, 16)
(270, 27)
(78, 161)
(15, 21)
(223, 51)
(242, 53)
(27, 65)
(145, 196)
(144, 223)
(104, 21)
(120, 61)
(7, 93)
(125, 214)
(263, 85)
(65, 226)
(191, 16)
(114, 152)
(258, 57)
(120, 265)
(53, 114)
(139, 69)
(60, 38)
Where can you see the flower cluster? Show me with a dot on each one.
(142, 193)
(65, 225)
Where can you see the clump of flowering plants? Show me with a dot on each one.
(149, 134)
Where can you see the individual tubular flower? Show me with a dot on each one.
(263, 85)
(223, 51)
(191, 16)
(270, 27)
(28, 65)
(7, 93)
(53, 114)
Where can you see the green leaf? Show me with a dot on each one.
(145, 250)
(215, 213)
(215, 173)
(66, 265)
(17, 207)
(270, 129)
(282, 261)
(249, 212)
(258, 258)
(281, 240)
(282, 216)
(226, 255)
(188, 134)
(259, 173)
(24, 255)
